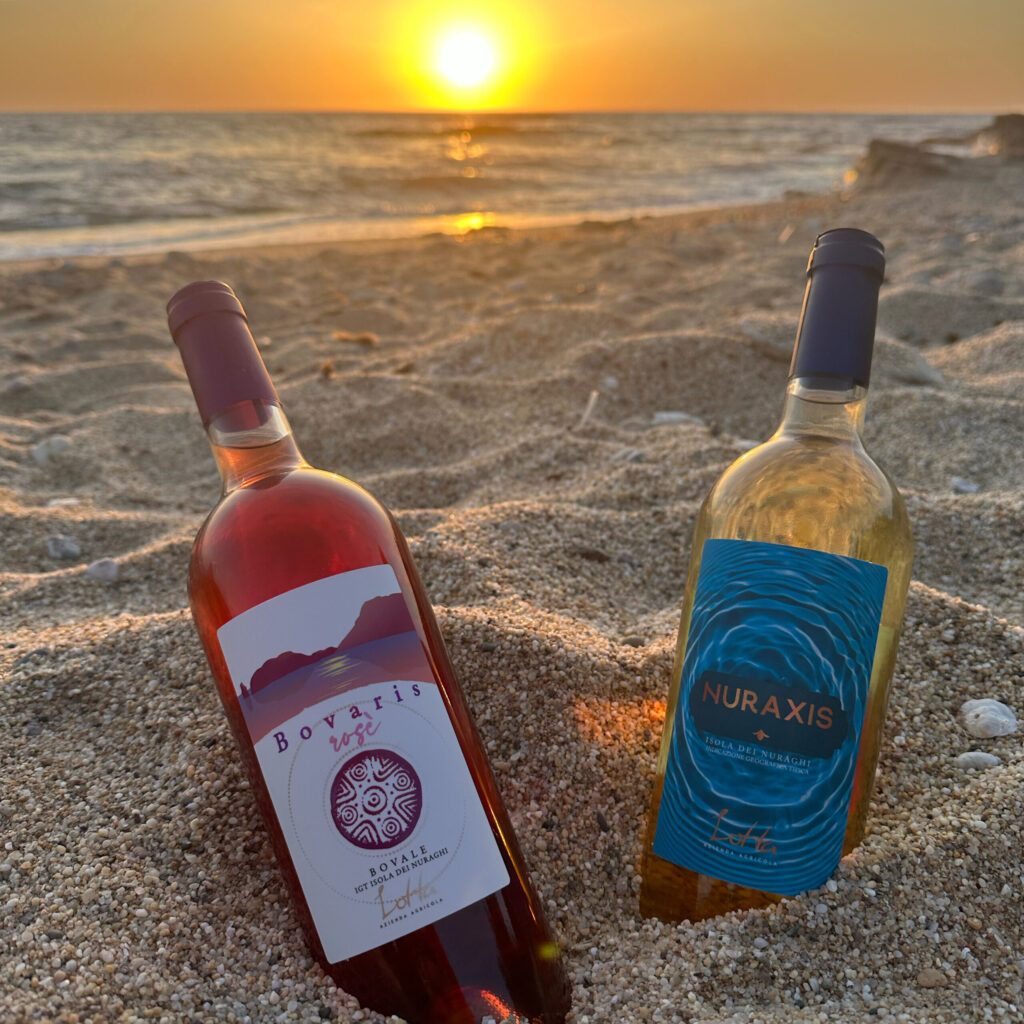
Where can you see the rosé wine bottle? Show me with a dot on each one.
(373, 783)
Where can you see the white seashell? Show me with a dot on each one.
(988, 717)
(50, 446)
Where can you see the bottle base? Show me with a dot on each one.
(673, 894)
(428, 996)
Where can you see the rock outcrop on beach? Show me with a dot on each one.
(545, 412)
(892, 163)
(887, 163)
(1004, 137)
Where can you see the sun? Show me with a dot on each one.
(465, 57)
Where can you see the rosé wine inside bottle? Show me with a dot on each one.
(373, 783)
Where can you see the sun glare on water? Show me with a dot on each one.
(465, 57)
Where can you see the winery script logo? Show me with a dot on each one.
(769, 714)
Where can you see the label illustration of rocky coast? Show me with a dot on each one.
(377, 804)
(772, 699)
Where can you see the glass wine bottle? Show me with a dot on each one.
(373, 783)
(794, 602)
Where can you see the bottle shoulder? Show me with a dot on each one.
(818, 492)
(303, 493)
(286, 530)
(785, 466)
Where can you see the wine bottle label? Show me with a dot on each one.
(772, 698)
(377, 804)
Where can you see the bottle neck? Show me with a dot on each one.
(824, 408)
(248, 431)
(252, 441)
(836, 335)
(831, 367)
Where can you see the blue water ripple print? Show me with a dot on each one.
(772, 700)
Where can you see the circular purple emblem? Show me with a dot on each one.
(376, 799)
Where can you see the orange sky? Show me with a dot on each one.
(874, 55)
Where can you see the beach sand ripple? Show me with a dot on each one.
(545, 411)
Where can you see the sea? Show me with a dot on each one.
(77, 184)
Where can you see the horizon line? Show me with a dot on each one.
(988, 111)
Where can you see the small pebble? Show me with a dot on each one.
(662, 418)
(103, 570)
(987, 718)
(931, 977)
(61, 545)
(977, 759)
(368, 339)
(628, 455)
(961, 485)
(591, 554)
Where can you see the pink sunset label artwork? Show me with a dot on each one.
(380, 645)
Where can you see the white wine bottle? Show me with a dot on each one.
(794, 601)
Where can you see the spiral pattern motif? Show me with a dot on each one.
(376, 799)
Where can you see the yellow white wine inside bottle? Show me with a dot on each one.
(794, 601)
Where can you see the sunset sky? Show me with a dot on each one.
(876, 55)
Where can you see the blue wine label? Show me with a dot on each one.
(771, 703)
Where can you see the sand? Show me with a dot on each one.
(502, 393)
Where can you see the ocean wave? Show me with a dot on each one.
(106, 217)
(94, 176)
(447, 182)
(455, 128)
